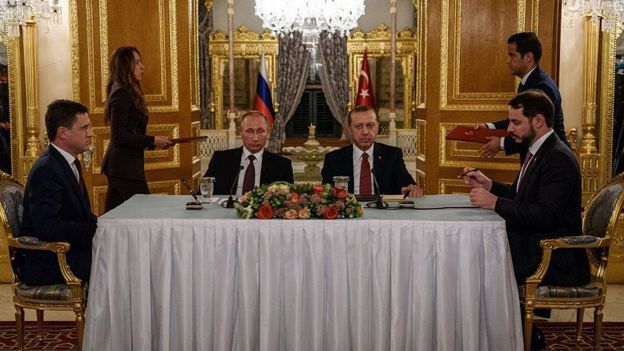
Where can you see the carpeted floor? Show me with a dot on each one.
(58, 336)
(562, 336)
(559, 336)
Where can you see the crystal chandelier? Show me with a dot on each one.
(611, 12)
(14, 13)
(309, 17)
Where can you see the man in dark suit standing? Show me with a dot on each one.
(524, 52)
(252, 163)
(543, 202)
(56, 202)
(365, 156)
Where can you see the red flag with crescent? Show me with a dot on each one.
(365, 88)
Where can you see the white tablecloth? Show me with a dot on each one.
(164, 278)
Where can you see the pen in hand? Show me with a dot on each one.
(468, 171)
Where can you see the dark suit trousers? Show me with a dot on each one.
(120, 190)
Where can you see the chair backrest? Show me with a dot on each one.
(11, 201)
(603, 209)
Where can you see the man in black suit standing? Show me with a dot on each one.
(543, 202)
(524, 52)
(252, 163)
(365, 156)
(56, 202)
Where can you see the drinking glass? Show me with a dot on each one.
(341, 182)
(206, 187)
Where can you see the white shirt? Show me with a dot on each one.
(523, 82)
(533, 150)
(357, 164)
(70, 159)
(245, 163)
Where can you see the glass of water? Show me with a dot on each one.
(341, 182)
(206, 187)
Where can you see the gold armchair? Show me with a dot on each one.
(599, 220)
(60, 297)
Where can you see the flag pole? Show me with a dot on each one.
(231, 115)
(392, 114)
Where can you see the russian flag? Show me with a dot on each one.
(264, 102)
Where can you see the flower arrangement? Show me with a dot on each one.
(298, 201)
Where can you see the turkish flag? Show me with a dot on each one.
(365, 88)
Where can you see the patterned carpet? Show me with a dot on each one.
(559, 336)
(562, 336)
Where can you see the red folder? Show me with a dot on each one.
(468, 133)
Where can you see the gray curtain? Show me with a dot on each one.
(333, 74)
(292, 73)
(205, 25)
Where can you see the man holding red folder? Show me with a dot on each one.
(524, 54)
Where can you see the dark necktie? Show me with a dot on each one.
(520, 88)
(81, 184)
(525, 165)
(365, 176)
(250, 175)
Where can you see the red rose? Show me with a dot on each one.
(265, 212)
(330, 213)
(341, 194)
(317, 188)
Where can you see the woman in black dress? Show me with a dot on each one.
(127, 115)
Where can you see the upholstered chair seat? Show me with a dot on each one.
(599, 220)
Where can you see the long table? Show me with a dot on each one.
(167, 278)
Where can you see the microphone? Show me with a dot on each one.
(379, 203)
(197, 205)
(230, 201)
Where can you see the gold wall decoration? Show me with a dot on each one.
(21, 161)
(248, 45)
(452, 94)
(452, 186)
(377, 43)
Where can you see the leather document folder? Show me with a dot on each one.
(468, 133)
(188, 139)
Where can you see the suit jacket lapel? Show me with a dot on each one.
(265, 170)
(71, 178)
(528, 173)
(346, 168)
(379, 165)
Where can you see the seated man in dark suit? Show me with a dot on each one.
(544, 201)
(365, 156)
(524, 54)
(252, 163)
(56, 202)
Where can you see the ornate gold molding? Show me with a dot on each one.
(208, 4)
(75, 49)
(167, 34)
(589, 157)
(377, 42)
(247, 44)
(453, 83)
(29, 37)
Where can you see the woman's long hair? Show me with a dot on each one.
(120, 68)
